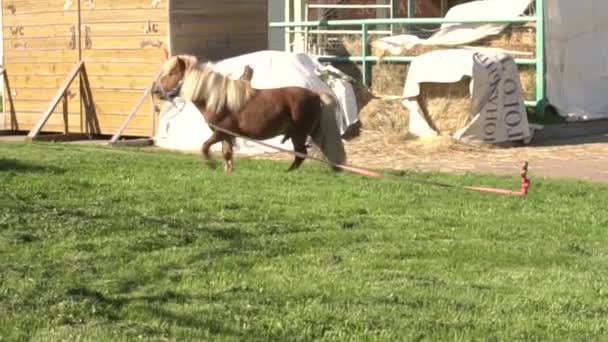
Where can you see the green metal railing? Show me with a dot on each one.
(365, 58)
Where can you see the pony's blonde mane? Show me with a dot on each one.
(217, 91)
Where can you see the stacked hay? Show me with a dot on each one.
(447, 106)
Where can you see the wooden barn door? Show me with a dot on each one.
(41, 47)
(122, 45)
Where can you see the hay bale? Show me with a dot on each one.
(446, 106)
(388, 78)
(385, 116)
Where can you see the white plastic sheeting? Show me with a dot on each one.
(497, 107)
(576, 35)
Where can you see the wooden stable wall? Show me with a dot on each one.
(219, 29)
(122, 43)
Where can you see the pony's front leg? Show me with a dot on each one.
(214, 138)
(227, 152)
(299, 146)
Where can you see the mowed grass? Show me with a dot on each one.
(101, 244)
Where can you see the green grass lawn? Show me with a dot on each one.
(100, 244)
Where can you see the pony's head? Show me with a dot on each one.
(217, 92)
(173, 72)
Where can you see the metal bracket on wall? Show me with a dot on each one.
(88, 43)
(72, 42)
(155, 43)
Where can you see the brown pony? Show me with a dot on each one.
(261, 114)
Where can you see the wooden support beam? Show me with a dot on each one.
(9, 96)
(60, 94)
(88, 105)
(131, 115)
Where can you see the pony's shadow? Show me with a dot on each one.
(11, 165)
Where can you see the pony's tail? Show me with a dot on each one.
(326, 135)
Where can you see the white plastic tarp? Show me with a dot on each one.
(451, 34)
(576, 35)
(497, 107)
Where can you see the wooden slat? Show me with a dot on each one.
(50, 31)
(39, 56)
(145, 55)
(43, 94)
(154, 28)
(37, 81)
(128, 43)
(124, 16)
(41, 69)
(123, 96)
(23, 7)
(40, 18)
(41, 105)
(34, 56)
(104, 82)
(37, 43)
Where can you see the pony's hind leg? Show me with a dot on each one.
(227, 153)
(214, 138)
(299, 145)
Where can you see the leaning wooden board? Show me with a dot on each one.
(122, 43)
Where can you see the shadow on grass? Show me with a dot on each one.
(18, 166)
(114, 305)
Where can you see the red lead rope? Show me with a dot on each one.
(525, 182)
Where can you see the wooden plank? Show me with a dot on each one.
(38, 81)
(141, 27)
(37, 43)
(131, 115)
(47, 31)
(97, 82)
(40, 105)
(123, 16)
(45, 116)
(144, 56)
(42, 94)
(125, 96)
(100, 95)
(22, 7)
(128, 43)
(49, 69)
(40, 18)
(119, 82)
(39, 56)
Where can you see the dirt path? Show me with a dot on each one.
(581, 158)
